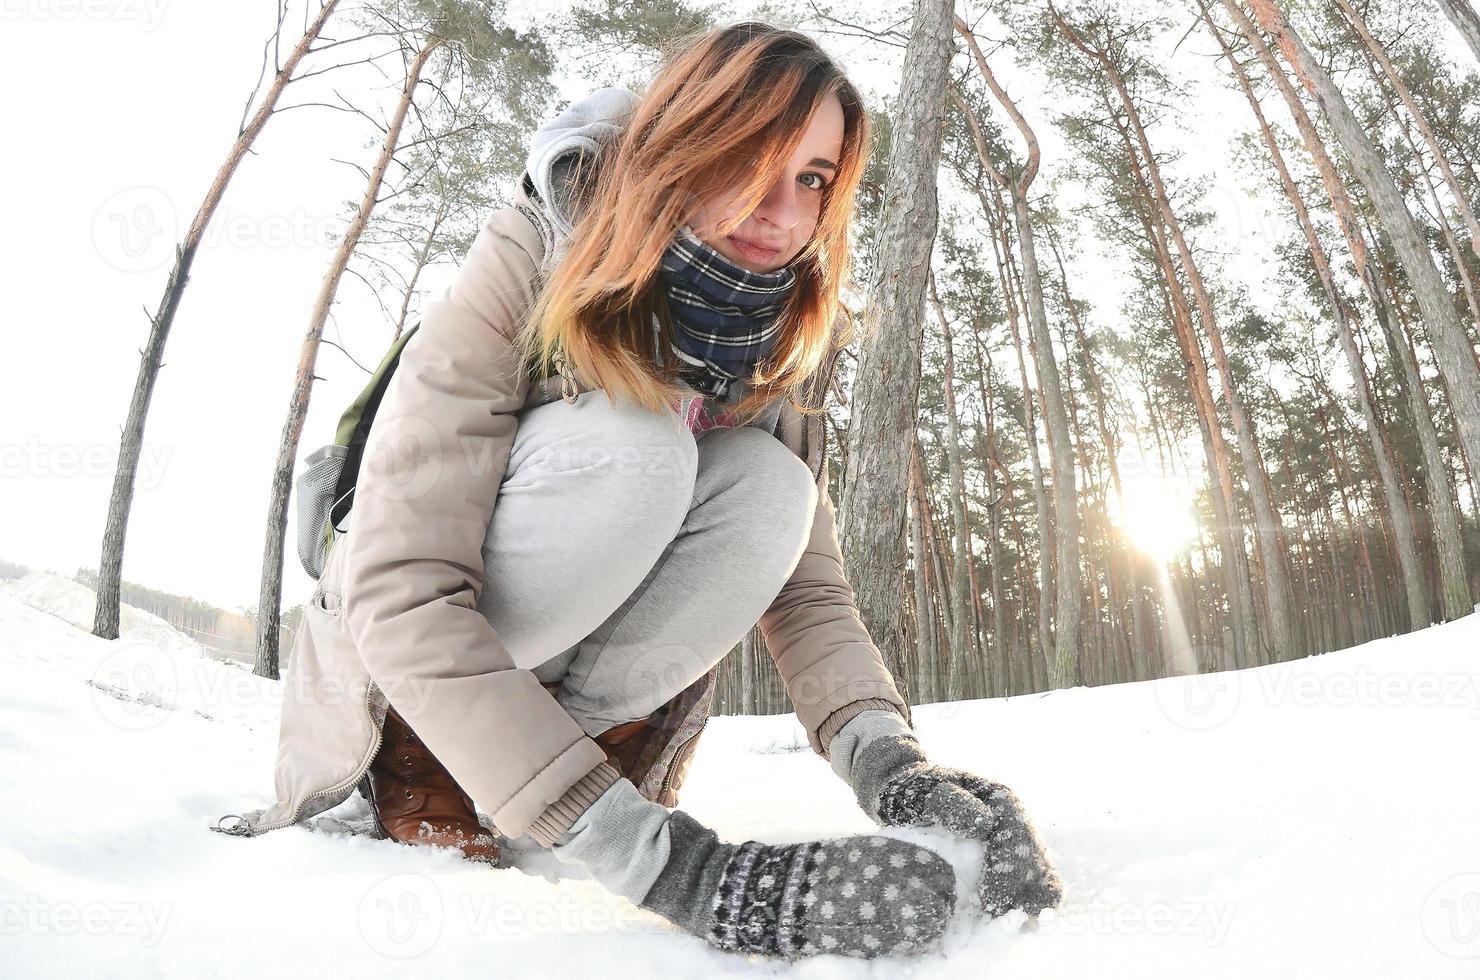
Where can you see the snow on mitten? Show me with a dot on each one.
(898, 787)
(857, 896)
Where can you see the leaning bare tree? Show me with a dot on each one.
(442, 42)
(120, 502)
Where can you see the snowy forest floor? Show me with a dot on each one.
(1310, 819)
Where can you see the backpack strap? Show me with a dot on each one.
(354, 427)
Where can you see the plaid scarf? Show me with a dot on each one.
(725, 318)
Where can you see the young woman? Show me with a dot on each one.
(543, 571)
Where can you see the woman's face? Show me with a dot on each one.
(782, 224)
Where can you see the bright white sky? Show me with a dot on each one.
(122, 113)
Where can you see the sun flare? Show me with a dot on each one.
(1155, 514)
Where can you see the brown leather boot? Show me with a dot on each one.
(416, 801)
(623, 744)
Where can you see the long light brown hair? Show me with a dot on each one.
(727, 109)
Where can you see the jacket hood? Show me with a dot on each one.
(582, 127)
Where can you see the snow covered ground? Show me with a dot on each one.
(1310, 819)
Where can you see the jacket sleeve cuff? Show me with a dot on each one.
(847, 713)
(558, 817)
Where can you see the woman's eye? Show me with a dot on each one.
(821, 183)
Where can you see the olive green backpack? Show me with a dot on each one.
(326, 487)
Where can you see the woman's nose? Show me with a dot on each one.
(779, 206)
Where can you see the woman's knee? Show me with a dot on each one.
(634, 451)
(777, 489)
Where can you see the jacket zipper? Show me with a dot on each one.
(344, 787)
(673, 764)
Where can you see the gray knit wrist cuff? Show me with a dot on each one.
(867, 728)
(548, 827)
(622, 840)
(847, 713)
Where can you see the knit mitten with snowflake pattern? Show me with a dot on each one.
(857, 896)
(897, 786)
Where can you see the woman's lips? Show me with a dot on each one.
(751, 250)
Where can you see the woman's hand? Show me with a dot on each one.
(897, 786)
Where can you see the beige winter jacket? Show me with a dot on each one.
(396, 612)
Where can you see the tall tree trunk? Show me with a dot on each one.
(1396, 81)
(991, 466)
(1442, 510)
(1139, 641)
(1001, 251)
(1448, 533)
(1080, 450)
(747, 674)
(981, 664)
(1462, 262)
(1281, 636)
(120, 501)
(1370, 593)
(269, 598)
(963, 646)
(1230, 529)
(939, 586)
(1464, 17)
(1068, 585)
(1451, 344)
(924, 633)
(1392, 491)
(941, 561)
(1068, 592)
(888, 378)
